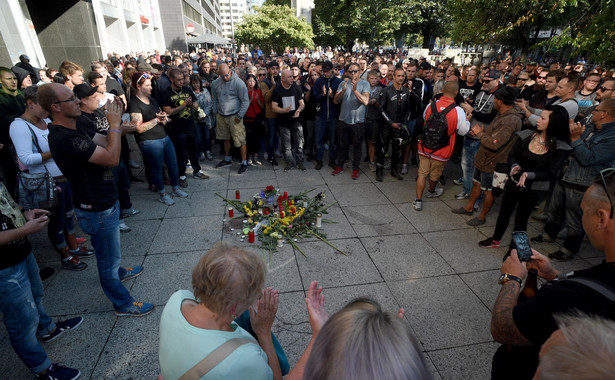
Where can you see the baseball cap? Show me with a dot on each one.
(146, 67)
(425, 66)
(327, 66)
(507, 94)
(494, 74)
(84, 90)
(23, 56)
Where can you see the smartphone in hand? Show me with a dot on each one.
(524, 251)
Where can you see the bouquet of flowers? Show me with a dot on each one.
(285, 218)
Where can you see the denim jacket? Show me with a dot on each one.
(593, 152)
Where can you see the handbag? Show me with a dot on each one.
(36, 190)
(214, 358)
(500, 176)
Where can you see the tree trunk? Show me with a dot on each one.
(427, 38)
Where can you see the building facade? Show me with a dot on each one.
(232, 12)
(183, 19)
(49, 32)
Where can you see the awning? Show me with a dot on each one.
(208, 38)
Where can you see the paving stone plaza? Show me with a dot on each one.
(427, 262)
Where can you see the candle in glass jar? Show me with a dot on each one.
(280, 242)
(251, 236)
(318, 220)
(285, 195)
(231, 213)
(237, 195)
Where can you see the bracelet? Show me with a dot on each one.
(115, 130)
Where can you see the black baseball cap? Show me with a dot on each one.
(327, 66)
(425, 66)
(84, 90)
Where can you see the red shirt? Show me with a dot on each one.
(254, 109)
(452, 119)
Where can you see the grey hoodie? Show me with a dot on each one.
(230, 98)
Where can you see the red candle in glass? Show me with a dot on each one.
(231, 212)
(266, 211)
(251, 236)
(285, 195)
(237, 195)
(281, 214)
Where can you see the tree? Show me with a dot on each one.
(274, 27)
(340, 18)
(589, 31)
(427, 18)
(514, 22)
(277, 2)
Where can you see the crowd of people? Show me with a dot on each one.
(534, 135)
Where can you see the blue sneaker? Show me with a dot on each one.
(132, 272)
(62, 327)
(137, 309)
(58, 372)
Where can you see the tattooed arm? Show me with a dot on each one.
(503, 328)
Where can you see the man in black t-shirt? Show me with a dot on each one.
(85, 159)
(523, 327)
(178, 101)
(287, 102)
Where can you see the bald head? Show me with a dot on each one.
(48, 94)
(450, 89)
(224, 71)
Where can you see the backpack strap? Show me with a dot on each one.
(449, 108)
(598, 287)
(214, 358)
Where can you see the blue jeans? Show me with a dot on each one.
(103, 228)
(325, 126)
(203, 136)
(157, 153)
(272, 136)
(21, 303)
(61, 222)
(470, 148)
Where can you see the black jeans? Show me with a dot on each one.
(515, 197)
(185, 148)
(382, 146)
(348, 134)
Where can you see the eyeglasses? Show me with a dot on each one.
(603, 89)
(262, 75)
(605, 173)
(225, 75)
(69, 100)
(542, 77)
(353, 71)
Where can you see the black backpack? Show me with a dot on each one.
(435, 133)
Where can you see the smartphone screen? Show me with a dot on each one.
(523, 245)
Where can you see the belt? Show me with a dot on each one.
(60, 178)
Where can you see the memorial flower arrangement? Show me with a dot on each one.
(274, 217)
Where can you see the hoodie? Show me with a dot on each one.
(497, 139)
(230, 98)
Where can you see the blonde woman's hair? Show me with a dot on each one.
(362, 342)
(228, 274)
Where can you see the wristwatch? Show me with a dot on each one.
(504, 278)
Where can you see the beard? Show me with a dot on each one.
(538, 87)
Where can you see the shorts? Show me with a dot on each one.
(430, 167)
(226, 128)
(372, 129)
(485, 180)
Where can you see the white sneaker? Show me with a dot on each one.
(167, 200)
(372, 167)
(418, 205)
(436, 193)
(404, 169)
(209, 155)
(133, 164)
(458, 181)
(180, 193)
(462, 195)
(124, 227)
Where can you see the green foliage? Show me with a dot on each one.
(277, 2)
(274, 27)
(377, 22)
(589, 31)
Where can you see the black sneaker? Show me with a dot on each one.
(414, 163)
(332, 164)
(74, 264)
(83, 252)
(288, 167)
(301, 167)
(273, 162)
(318, 165)
(489, 243)
(62, 327)
(223, 164)
(242, 168)
(58, 372)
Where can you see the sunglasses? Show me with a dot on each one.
(523, 79)
(69, 100)
(601, 178)
(542, 78)
(262, 75)
(353, 71)
(487, 80)
(603, 89)
(144, 75)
